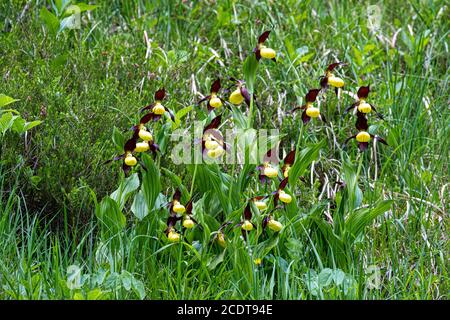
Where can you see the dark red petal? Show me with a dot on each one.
(125, 168)
(172, 116)
(378, 138)
(154, 147)
(379, 115)
(312, 95)
(189, 207)
(305, 117)
(247, 212)
(204, 99)
(275, 199)
(150, 106)
(156, 117)
(160, 94)
(272, 155)
(336, 91)
(147, 118)
(263, 37)
(361, 122)
(332, 66)
(283, 183)
(363, 92)
(258, 54)
(324, 82)
(177, 195)
(130, 145)
(265, 221)
(363, 146)
(214, 123)
(215, 87)
(263, 179)
(348, 139)
(290, 158)
(353, 106)
(322, 117)
(246, 95)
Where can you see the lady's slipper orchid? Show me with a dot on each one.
(309, 111)
(268, 170)
(259, 203)
(247, 225)
(280, 194)
(157, 109)
(213, 142)
(329, 79)
(240, 94)
(129, 160)
(361, 105)
(363, 137)
(214, 101)
(261, 51)
(288, 162)
(272, 224)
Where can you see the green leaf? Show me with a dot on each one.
(138, 288)
(250, 67)
(118, 139)
(151, 184)
(82, 7)
(359, 219)
(126, 188)
(5, 100)
(50, 20)
(180, 115)
(302, 162)
(110, 217)
(32, 124)
(325, 277)
(6, 122)
(139, 206)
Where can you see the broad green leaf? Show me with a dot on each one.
(110, 217)
(31, 124)
(325, 277)
(5, 100)
(151, 184)
(50, 20)
(359, 219)
(138, 288)
(250, 67)
(139, 206)
(126, 188)
(6, 122)
(302, 162)
(180, 115)
(118, 139)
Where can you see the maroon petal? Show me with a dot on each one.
(160, 94)
(130, 145)
(154, 147)
(265, 222)
(275, 199)
(305, 117)
(263, 37)
(189, 207)
(332, 66)
(177, 195)
(214, 123)
(348, 139)
(363, 92)
(322, 117)
(172, 116)
(215, 87)
(283, 183)
(204, 99)
(324, 82)
(361, 122)
(312, 95)
(247, 212)
(379, 115)
(378, 138)
(126, 168)
(290, 158)
(150, 106)
(246, 95)
(147, 118)
(258, 54)
(353, 106)
(363, 146)
(272, 155)
(263, 179)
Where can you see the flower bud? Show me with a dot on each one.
(236, 97)
(363, 137)
(142, 146)
(270, 171)
(221, 239)
(364, 107)
(312, 112)
(159, 109)
(257, 261)
(274, 225)
(261, 205)
(267, 53)
(145, 135)
(284, 197)
(173, 236)
(335, 81)
(247, 226)
(188, 223)
(177, 207)
(130, 160)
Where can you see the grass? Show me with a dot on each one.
(82, 83)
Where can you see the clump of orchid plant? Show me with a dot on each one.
(361, 105)
(363, 137)
(213, 143)
(157, 109)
